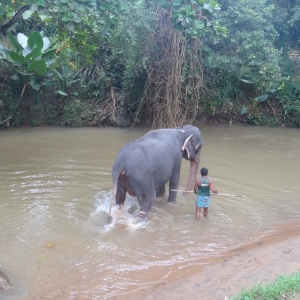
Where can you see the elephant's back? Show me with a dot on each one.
(129, 157)
(153, 151)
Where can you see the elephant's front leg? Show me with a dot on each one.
(173, 185)
(172, 194)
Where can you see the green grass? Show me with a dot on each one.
(283, 288)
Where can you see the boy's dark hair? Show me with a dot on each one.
(204, 171)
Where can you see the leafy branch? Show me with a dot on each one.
(13, 20)
(31, 56)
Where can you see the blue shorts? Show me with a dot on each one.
(202, 201)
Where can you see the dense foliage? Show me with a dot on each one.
(92, 62)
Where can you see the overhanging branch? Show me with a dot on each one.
(13, 20)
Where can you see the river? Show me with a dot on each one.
(56, 186)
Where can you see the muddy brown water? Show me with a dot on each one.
(55, 192)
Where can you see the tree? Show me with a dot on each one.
(286, 21)
(245, 63)
(76, 19)
(78, 27)
(175, 73)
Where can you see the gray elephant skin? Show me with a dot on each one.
(144, 166)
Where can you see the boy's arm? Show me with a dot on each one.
(197, 183)
(212, 188)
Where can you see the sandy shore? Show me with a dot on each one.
(261, 261)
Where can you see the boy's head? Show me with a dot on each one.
(204, 172)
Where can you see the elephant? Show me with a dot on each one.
(144, 166)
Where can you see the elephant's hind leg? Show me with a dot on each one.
(142, 188)
(146, 203)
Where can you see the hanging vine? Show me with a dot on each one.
(175, 75)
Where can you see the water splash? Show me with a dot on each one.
(125, 217)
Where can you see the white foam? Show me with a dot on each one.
(125, 217)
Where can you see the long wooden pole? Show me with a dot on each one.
(227, 195)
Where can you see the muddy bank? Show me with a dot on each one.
(259, 262)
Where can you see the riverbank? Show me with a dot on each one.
(260, 262)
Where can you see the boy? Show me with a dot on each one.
(202, 188)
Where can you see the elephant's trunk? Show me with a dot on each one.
(194, 165)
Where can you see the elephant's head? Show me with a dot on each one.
(191, 150)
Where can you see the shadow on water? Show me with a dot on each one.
(56, 242)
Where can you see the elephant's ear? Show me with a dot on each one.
(187, 146)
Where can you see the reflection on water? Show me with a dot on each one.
(56, 242)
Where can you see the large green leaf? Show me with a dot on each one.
(34, 85)
(33, 54)
(50, 62)
(62, 93)
(262, 98)
(243, 110)
(49, 53)
(15, 43)
(76, 19)
(247, 81)
(27, 14)
(38, 66)
(58, 75)
(17, 58)
(35, 40)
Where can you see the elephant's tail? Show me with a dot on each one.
(120, 188)
(112, 201)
